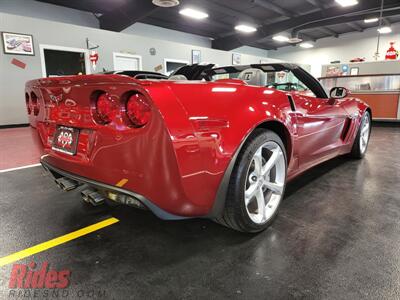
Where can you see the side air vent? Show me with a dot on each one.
(346, 128)
(291, 101)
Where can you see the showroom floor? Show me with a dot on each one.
(336, 237)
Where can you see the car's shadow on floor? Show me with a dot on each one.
(147, 231)
(313, 174)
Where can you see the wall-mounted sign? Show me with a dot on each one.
(392, 53)
(236, 59)
(93, 57)
(333, 71)
(196, 57)
(18, 63)
(158, 68)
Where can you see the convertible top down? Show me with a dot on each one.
(209, 142)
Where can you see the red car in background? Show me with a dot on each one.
(209, 142)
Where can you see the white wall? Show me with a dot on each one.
(251, 51)
(344, 48)
(160, 33)
(12, 78)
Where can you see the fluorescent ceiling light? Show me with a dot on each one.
(193, 13)
(306, 45)
(385, 29)
(372, 20)
(280, 38)
(346, 3)
(245, 28)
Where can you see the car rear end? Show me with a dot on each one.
(106, 132)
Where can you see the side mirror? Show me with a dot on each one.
(338, 93)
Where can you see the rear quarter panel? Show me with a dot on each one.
(207, 124)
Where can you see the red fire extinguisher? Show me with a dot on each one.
(391, 53)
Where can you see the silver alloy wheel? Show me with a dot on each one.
(265, 182)
(364, 134)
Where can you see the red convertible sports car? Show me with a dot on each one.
(208, 142)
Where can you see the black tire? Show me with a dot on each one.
(235, 215)
(356, 151)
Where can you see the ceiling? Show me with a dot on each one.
(308, 19)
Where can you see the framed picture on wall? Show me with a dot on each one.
(354, 71)
(17, 43)
(236, 59)
(196, 57)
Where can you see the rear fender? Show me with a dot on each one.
(221, 122)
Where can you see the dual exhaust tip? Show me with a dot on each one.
(96, 198)
(88, 195)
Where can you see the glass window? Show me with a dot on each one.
(364, 83)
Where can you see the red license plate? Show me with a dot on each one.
(66, 140)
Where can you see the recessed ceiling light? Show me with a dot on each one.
(166, 3)
(245, 28)
(385, 29)
(346, 3)
(306, 45)
(371, 20)
(280, 38)
(193, 13)
(295, 40)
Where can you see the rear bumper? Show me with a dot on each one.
(162, 214)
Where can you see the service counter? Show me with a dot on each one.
(381, 92)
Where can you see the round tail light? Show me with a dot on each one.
(35, 104)
(105, 108)
(28, 107)
(138, 110)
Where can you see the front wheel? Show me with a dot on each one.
(361, 141)
(257, 183)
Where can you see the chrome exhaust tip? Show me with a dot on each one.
(66, 184)
(92, 197)
(125, 199)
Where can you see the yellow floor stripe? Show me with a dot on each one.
(122, 182)
(55, 242)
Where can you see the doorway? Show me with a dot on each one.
(63, 61)
(171, 65)
(127, 62)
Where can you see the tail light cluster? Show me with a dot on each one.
(32, 103)
(138, 110)
(134, 108)
(105, 108)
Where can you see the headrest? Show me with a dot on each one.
(177, 77)
(253, 77)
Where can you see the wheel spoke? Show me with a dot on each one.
(364, 130)
(276, 153)
(260, 202)
(250, 192)
(274, 187)
(258, 162)
(364, 140)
